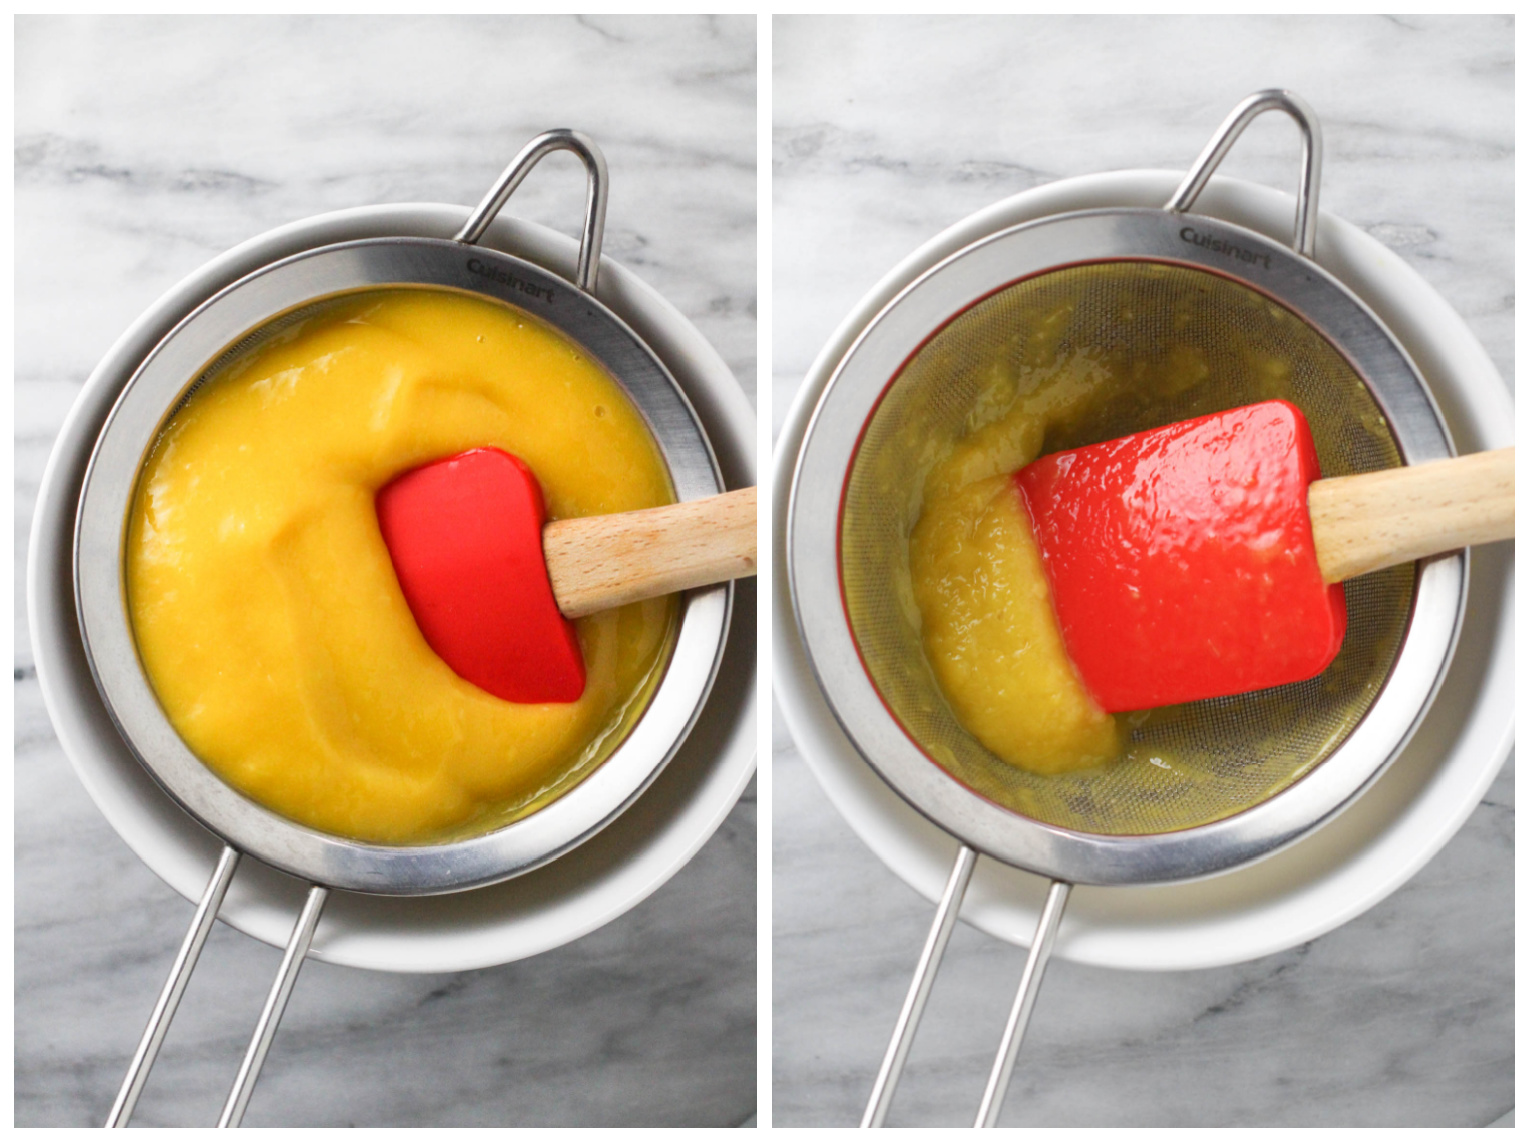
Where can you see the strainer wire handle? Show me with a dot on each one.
(175, 987)
(559, 139)
(919, 988)
(276, 1003)
(1273, 99)
(1025, 1000)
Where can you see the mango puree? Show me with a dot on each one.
(264, 604)
(989, 631)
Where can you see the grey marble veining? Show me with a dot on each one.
(1404, 1016)
(887, 131)
(143, 148)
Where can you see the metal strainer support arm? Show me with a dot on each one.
(919, 988)
(1025, 1000)
(175, 987)
(180, 976)
(276, 1003)
(924, 978)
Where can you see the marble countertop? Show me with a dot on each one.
(886, 132)
(144, 147)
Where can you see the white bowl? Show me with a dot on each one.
(573, 895)
(1335, 872)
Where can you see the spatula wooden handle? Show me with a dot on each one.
(1377, 519)
(604, 561)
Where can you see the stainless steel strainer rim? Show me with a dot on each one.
(831, 438)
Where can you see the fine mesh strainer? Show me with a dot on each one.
(240, 319)
(1189, 315)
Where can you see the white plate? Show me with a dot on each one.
(573, 895)
(1332, 874)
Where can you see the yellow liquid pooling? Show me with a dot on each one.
(264, 604)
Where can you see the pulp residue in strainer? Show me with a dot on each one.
(1166, 343)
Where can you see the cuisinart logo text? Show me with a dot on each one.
(1195, 238)
(476, 267)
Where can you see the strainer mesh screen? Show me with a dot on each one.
(1177, 343)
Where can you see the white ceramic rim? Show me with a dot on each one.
(574, 895)
(1330, 875)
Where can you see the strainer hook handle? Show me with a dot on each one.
(1272, 99)
(558, 139)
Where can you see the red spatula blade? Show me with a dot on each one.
(465, 535)
(1181, 559)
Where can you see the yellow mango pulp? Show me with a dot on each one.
(989, 631)
(264, 603)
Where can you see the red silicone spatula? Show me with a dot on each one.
(493, 586)
(1203, 558)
